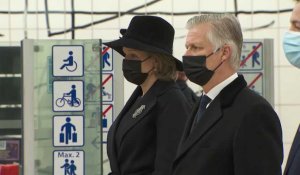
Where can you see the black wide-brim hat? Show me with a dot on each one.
(147, 33)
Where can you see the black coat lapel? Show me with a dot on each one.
(294, 148)
(212, 114)
(146, 104)
(143, 108)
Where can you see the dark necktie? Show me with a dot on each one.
(203, 103)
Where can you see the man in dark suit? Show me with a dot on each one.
(232, 130)
(291, 48)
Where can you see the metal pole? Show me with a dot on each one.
(235, 8)
(25, 19)
(73, 20)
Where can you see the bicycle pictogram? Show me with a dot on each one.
(60, 102)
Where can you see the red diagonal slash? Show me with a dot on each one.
(103, 52)
(106, 110)
(250, 54)
(104, 82)
(106, 79)
(255, 79)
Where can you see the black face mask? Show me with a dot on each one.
(196, 70)
(132, 71)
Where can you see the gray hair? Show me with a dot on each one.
(225, 29)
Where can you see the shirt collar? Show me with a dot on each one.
(217, 89)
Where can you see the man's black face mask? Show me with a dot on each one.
(196, 70)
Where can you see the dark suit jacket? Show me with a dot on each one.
(239, 134)
(293, 163)
(149, 143)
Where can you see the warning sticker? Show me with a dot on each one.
(68, 162)
(68, 131)
(252, 56)
(68, 60)
(255, 82)
(107, 87)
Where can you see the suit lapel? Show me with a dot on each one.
(211, 116)
(294, 148)
(137, 92)
(139, 112)
(146, 104)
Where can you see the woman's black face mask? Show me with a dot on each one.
(132, 71)
(196, 70)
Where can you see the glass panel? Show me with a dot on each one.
(64, 139)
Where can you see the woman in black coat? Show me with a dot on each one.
(144, 138)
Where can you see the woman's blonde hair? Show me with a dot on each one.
(165, 67)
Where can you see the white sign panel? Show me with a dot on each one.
(107, 58)
(107, 87)
(68, 96)
(107, 119)
(68, 131)
(252, 56)
(68, 60)
(255, 81)
(68, 162)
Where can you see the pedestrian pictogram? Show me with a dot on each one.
(68, 60)
(68, 131)
(107, 59)
(252, 56)
(68, 162)
(73, 101)
(69, 169)
(255, 57)
(68, 95)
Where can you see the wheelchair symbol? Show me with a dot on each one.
(69, 63)
(72, 68)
